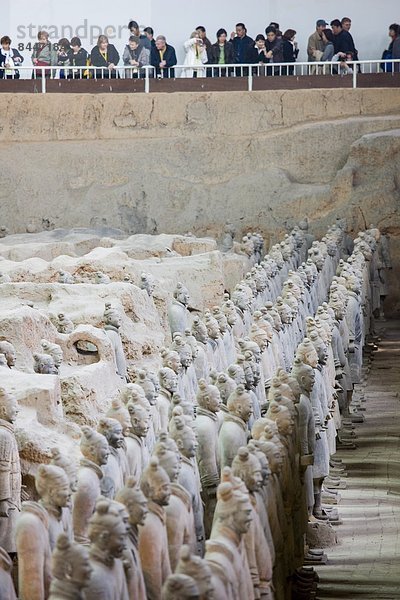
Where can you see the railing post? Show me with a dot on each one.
(147, 81)
(354, 77)
(250, 80)
(43, 81)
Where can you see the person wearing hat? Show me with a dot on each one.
(315, 42)
(134, 29)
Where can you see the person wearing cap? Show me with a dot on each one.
(134, 29)
(315, 41)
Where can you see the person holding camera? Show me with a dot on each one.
(196, 57)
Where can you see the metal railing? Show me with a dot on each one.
(43, 74)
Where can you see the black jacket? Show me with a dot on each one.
(243, 49)
(258, 57)
(98, 60)
(290, 54)
(343, 42)
(169, 57)
(215, 52)
(79, 59)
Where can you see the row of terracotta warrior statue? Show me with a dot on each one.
(199, 482)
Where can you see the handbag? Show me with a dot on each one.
(387, 67)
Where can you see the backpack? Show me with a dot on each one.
(387, 67)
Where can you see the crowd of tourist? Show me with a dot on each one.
(328, 43)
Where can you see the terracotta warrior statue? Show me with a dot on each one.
(184, 436)
(197, 568)
(168, 386)
(53, 486)
(54, 350)
(71, 570)
(108, 539)
(179, 511)
(10, 472)
(135, 502)
(137, 452)
(44, 364)
(247, 466)
(178, 313)
(95, 451)
(234, 431)
(64, 324)
(207, 429)
(225, 549)
(9, 352)
(113, 322)
(116, 468)
(153, 540)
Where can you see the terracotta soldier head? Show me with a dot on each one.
(247, 466)
(234, 509)
(54, 350)
(64, 462)
(120, 413)
(70, 566)
(184, 436)
(53, 487)
(107, 530)
(140, 420)
(240, 404)
(169, 459)
(168, 379)
(135, 502)
(155, 483)
(8, 406)
(94, 446)
(208, 396)
(112, 316)
(197, 568)
(112, 431)
(9, 352)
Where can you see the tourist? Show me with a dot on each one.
(394, 31)
(43, 55)
(242, 45)
(315, 46)
(343, 40)
(290, 50)
(9, 59)
(163, 57)
(274, 47)
(329, 50)
(196, 57)
(134, 29)
(104, 56)
(78, 57)
(395, 45)
(63, 57)
(149, 33)
(222, 53)
(136, 56)
(203, 36)
(277, 29)
(346, 26)
(260, 51)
